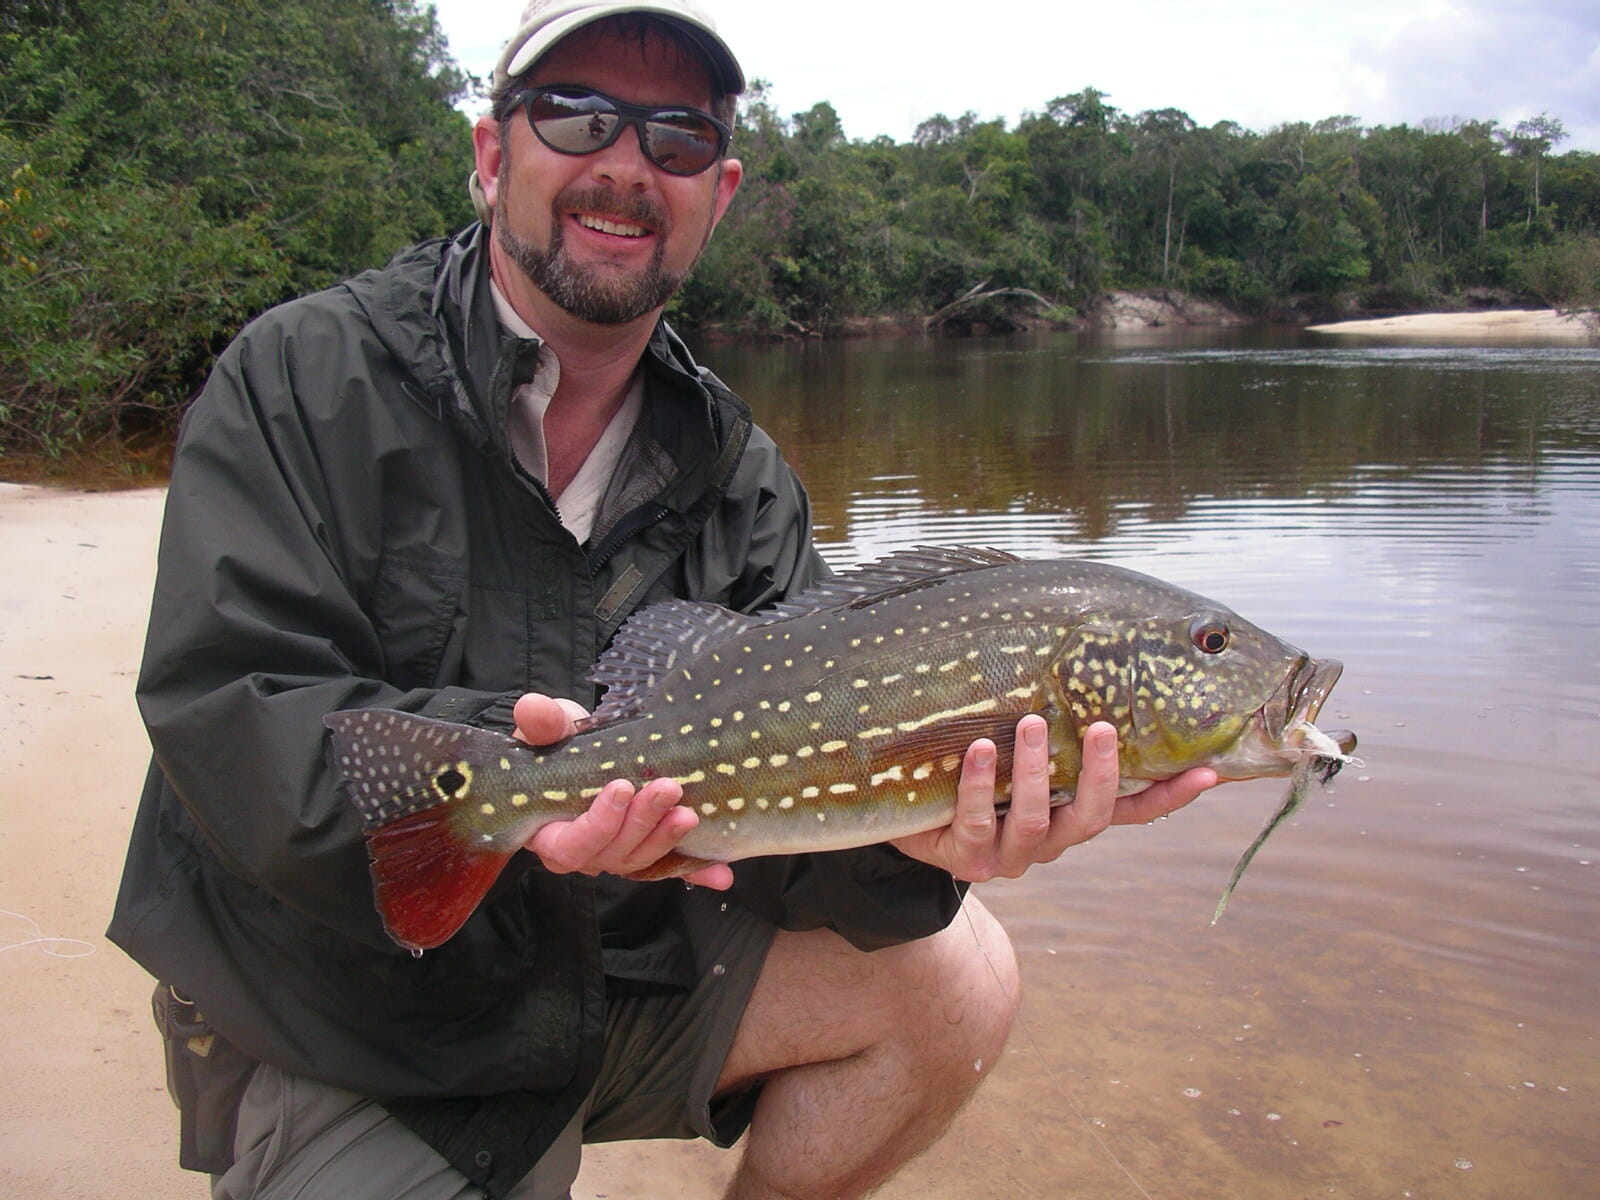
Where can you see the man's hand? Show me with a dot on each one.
(626, 829)
(979, 844)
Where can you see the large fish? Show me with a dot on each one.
(839, 718)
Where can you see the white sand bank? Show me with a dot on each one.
(1500, 325)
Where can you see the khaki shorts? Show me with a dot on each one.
(663, 1054)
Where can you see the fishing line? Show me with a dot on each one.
(1038, 1052)
(44, 941)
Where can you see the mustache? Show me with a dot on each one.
(603, 202)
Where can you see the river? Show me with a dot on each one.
(1403, 999)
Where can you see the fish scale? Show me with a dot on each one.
(838, 719)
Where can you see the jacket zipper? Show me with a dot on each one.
(632, 525)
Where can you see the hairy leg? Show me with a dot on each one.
(865, 1057)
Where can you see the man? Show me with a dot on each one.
(441, 487)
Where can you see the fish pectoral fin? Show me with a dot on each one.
(427, 877)
(671, 865)
(944, 743)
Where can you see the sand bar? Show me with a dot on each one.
(1500, 325)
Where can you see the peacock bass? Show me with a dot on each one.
(839, 718)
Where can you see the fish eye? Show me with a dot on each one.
(1209, 635)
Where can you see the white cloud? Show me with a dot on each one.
(887, 66)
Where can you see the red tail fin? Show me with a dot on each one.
(426, 878)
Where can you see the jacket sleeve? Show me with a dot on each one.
(873, 896)
(257, 626)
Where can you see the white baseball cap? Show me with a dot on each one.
(546, 22)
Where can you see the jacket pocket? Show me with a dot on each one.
(415, 608)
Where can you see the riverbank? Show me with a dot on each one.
(1494, 326)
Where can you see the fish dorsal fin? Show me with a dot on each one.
(901, 572)
(650, 644)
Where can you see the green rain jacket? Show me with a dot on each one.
(346, 526)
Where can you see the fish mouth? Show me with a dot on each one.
(1300, 699)
(1284, 732)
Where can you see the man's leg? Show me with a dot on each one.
(865, 1057)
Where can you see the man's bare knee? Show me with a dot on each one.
(945, 998)
(972, 988)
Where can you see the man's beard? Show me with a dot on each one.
(586, 292)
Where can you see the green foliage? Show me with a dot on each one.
(168, 168)
(1081, 198)
(172, 167)
(108, 290)
(1563, 273)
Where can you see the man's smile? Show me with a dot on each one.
(626, 229)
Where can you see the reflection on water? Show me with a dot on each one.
(1402, 998)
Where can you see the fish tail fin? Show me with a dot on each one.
(426, 878)
(409, 777)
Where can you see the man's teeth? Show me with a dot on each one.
(620, 228)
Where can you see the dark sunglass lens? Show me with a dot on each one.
(681, 142)
(572, 124)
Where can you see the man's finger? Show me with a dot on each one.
(544, 720)
(972, 829)
(654, 824)
(575, 845)
(1159, 799)
(1027, 822)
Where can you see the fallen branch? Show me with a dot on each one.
(977, 293)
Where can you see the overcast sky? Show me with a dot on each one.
(887, 66)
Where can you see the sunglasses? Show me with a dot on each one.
(575, 120)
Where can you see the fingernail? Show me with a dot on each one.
(983, 758)
(1033, 735)
(1105, 741)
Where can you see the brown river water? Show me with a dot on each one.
(1403, 999)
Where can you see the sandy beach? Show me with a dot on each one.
(1502, 325)
(84, 1113)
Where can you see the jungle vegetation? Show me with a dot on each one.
(169, 168)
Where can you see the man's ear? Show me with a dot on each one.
(486, 157)
(729, 172)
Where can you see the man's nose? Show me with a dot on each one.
(623, 164)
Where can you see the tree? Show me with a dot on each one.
(1532, 140)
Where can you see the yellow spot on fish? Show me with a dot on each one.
(520, 800)
(786, 802)
(923, 771)
(487, 810)
(805, 751)
(842, 789)
(808, 793)
(833, 747)
(726, 769)
(777, 760)
(813, 697)
(751, 763)
(736, 804)
(709, 809)
(505, 764)
(555, 797)
(892, 775)
(685, 729)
